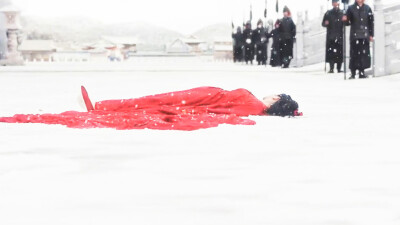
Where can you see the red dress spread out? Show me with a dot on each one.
(192, 109)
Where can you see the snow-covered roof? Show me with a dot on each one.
(178, 46)
(37, 45)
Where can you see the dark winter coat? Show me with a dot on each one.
(260, 39)
(287, 33)
(248, 44)
(287, 28)
(334, 35)
(260, 36)
(335, 26)
(361, 20)
(238, 40)
(275, 49)
(238, 43)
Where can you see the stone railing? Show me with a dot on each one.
(310, 40)
(387, 39)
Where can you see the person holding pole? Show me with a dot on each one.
(238, 45)
(287, 33)
(334, 38)
(248, 43)
(260, 39)
(361, 19)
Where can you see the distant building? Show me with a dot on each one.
(190, 45)
(70, 52)
(98, 50)
(195, 44)
(126, 46)
(223, 49)
(112, 48)
(37, 50)
(179, 47)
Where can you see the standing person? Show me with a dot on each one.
(334, 37)
(361, 19)
(287, 33)
(275, 49)
(238, 45)
(260, 38)
(248, 45)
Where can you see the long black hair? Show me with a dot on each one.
(285, 106)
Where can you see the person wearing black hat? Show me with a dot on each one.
(248, 43)
(361, 19)
(275, 49)
(260, 38)
(334, 37)
(238, 45)
(287, 33)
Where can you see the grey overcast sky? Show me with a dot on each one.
(184, 16)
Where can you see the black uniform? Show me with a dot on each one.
(238, 47)
(361, 20)
(275, 49)
(334, 38)
(248, 45)
(287, 33)
(260, 39)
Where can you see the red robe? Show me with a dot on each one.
(192, 109)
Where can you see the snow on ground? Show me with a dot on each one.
(337, 165)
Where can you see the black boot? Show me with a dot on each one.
(331, 65)
(353, 75)
(362, 74)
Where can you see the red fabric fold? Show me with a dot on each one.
(192, 109)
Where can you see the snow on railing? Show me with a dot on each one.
(387, 39)
(392, 39)
(310, 44)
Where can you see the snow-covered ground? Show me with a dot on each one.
(337, 165)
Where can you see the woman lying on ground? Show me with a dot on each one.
(193, 109)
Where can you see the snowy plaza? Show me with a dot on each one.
(336, 165)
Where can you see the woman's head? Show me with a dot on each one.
(285, 106)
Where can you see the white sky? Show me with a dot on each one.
(184, 16)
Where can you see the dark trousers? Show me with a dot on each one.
(238, 54)
(338, 66)
(249, 53)
(286, 52)
(261, 53)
